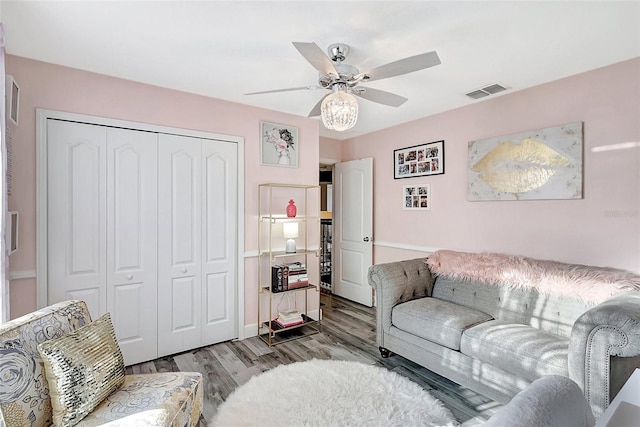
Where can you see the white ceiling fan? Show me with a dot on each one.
(339, 110)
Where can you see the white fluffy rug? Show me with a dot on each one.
(331, 393)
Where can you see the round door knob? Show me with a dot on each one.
(184, 270)
(366, 239)
(129, 276)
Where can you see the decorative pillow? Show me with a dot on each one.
(82, 368)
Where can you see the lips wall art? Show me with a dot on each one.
(538, 164)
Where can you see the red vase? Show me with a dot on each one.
(291, 209)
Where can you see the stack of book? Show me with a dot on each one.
(298, 277)
(279, 278)
(288, 276)
(289, 318)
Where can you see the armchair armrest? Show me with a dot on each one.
(395, 283)
(604, 348)
(551, 400)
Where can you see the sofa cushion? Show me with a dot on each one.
(82, 368)
(516, 348)
(436, 320)
(159, 399)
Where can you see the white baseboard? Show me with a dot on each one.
(252, 329)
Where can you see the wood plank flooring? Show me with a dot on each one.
(348, 333)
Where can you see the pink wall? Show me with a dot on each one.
(330, 148)
(53, 87)
(601, 229)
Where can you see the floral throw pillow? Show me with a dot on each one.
(82, 369)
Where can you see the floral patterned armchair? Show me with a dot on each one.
(159, 399)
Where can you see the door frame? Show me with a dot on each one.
(332, 163)
(42, 115)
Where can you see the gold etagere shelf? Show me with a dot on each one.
(272, 203)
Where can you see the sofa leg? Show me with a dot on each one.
(384, 352)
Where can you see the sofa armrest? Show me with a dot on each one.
(395, 283)
(604, 348)
(548, 401)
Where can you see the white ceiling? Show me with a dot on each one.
(224, 49)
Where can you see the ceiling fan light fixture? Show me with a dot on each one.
(339, 110)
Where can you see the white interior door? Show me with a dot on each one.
(220, 201)
(179, 244)
(132, 241)
(102, 227)
(353, 230)
(76, 194)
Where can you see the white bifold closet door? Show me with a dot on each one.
(143, 225)
(102, 198)
(197, 212)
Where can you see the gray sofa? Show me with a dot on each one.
(497, 337)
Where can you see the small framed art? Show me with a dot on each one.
(279, 145)
(419, 160)
(416, 197)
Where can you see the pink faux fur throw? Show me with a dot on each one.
(592, 285)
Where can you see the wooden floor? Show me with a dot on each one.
(348, 333)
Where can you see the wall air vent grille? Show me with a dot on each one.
(486, 91)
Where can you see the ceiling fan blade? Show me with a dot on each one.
(382, 97)
(285, 90)
(316, 57)
(404, 66)
(316, 111)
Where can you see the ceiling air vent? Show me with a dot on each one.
(486, 91)
(477, 94)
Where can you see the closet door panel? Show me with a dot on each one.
(132, 241)
(220, 223)
(185, 207)
(179, 244)
(76, 228)
(216, 301)
(183, 293)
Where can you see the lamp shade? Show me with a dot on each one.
(290, 230)
(339, 110)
